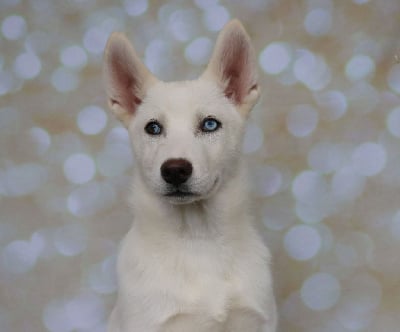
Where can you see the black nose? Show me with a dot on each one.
(176, 171)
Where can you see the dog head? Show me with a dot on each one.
(187, 135)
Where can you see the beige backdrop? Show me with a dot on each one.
(323, 145)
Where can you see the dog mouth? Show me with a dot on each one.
(185, 195)
(180, 194)
(177, 195)
(181, 197)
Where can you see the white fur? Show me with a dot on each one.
(194, 264)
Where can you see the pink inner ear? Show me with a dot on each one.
(236, 68)
(233, 88)
(124, 83)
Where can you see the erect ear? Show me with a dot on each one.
(233, 66)
(127, 78)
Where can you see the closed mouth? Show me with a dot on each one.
(180, 194)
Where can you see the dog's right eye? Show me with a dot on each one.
(153, 128)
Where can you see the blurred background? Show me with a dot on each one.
(323, 145)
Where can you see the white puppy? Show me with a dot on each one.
(193, 260)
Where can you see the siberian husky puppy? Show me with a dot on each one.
(192, 260)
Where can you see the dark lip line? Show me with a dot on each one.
(179, 193)
(182, 194)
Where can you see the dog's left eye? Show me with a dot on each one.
(153, 128)
(210, 124)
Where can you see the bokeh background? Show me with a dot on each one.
(323, 145)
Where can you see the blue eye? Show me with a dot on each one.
(153, 128)
(210, 125)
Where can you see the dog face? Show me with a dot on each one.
(185, 135)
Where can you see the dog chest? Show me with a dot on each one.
(200, 278)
